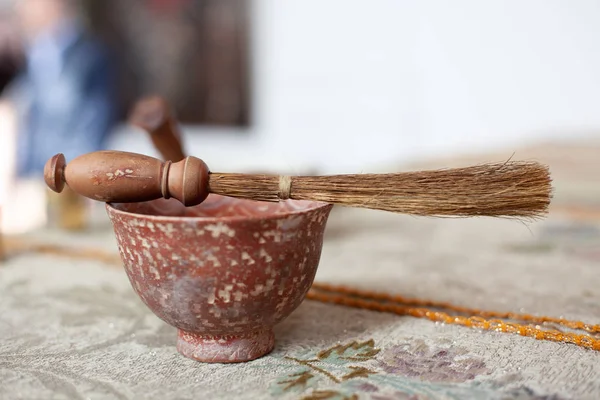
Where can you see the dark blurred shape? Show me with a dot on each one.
(65, 96)
(11, 55)
(154, 115)
(193, 53)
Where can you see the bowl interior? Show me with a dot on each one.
(219, 207)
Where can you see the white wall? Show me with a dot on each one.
(350, 85)
(501, 70)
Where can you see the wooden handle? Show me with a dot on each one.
(122, 177)
(154, 115)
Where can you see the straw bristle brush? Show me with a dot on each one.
(511, 189)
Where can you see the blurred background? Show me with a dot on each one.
(329, 86)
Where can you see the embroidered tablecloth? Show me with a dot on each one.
(74, 329)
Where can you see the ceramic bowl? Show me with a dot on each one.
(224, 273)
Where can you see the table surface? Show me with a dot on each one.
(74, 328)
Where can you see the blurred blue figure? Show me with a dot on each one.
(65, 96)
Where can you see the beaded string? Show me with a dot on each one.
(384, 297)
(395, 304)
(471, 322)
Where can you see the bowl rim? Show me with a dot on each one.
(316, 205)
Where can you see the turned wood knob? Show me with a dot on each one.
(122, 177)
(154, 115)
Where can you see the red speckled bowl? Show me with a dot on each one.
(224, 272)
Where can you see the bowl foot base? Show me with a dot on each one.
(225, 348)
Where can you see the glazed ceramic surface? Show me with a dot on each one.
(224, 272)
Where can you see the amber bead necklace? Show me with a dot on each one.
(472, 318)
